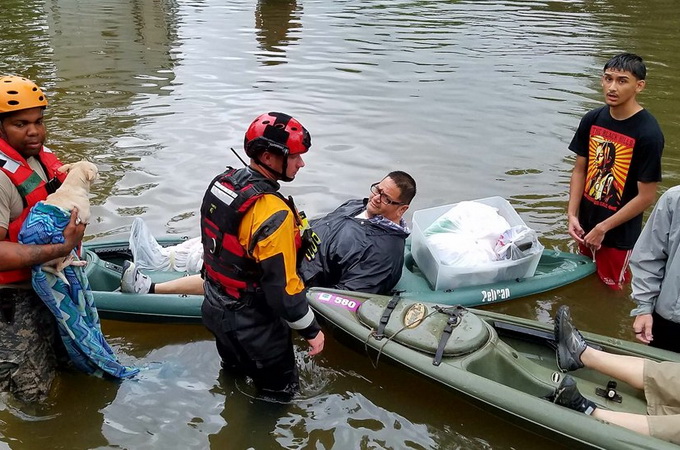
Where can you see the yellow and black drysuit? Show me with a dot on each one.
(253, 294)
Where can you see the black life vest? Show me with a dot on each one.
(225, 261)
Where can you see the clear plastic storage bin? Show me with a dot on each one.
(443, 277)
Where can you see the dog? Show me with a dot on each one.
(73, 192)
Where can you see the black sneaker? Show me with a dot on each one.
(567, 395)
(570, 343)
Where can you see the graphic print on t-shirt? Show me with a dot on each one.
(609, 157)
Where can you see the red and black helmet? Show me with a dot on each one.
(278, 133)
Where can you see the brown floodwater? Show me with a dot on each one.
(473, 98)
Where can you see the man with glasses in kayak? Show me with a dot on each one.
(30, 346)
(360, 245)
(362, 241)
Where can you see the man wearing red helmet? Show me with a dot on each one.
(251, 236)
(28, 173)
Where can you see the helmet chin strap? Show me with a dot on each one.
(277, 175)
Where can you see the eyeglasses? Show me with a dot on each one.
(383, 197)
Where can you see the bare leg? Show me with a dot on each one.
(635, 422)
(191, 285)
(625, 368)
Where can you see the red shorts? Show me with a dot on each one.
(612, 265)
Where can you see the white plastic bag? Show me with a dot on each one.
(461, 249)
(517, 242)
(474, 218)
(148, 254)
(465, 235)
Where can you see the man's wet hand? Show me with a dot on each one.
(316, 344)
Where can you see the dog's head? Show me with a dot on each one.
(85, 171)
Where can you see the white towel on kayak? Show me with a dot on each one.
(148, 254)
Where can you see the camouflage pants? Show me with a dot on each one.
(28, 336)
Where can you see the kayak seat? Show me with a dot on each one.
(468, 335)
(505, 365)
(102, 275)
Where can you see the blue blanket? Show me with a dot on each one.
(72, 304)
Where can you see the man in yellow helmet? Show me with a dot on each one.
(29, 342)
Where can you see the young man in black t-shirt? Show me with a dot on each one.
(618, 166)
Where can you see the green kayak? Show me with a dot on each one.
(105, 260)
(498, 361)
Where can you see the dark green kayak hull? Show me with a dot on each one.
(105, 259)
(498, 361)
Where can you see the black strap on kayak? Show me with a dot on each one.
(454, 313)
(394, 336)
(380, 332)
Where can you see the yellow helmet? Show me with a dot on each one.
(17, 93)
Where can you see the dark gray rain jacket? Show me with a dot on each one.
(356, 254)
